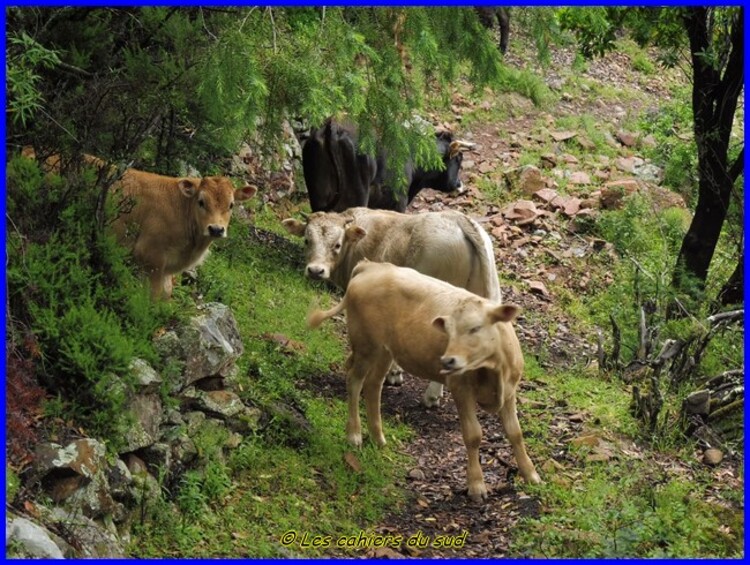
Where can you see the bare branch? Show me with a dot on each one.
(737, 167)
(732, 316)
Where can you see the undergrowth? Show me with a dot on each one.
(290, 475)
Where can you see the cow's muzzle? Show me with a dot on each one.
(451, 364)
(317, 272)
(217, 231)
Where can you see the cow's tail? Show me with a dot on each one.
(484, 277)
(317, 317)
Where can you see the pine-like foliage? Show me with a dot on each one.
(169, 84)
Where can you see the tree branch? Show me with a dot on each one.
(737, 167)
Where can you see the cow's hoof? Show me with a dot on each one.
(354, 439)
(429, 401)
(395, 379)
(533, 478)
(478, 493)
(380, 441)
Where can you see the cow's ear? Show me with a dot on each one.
(504, 313)
(439, 324)
(294, 227)
(453, 149)
(245, 193)
(355, 233)
(187, 187)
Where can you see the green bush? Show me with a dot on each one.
(670, 125)
(70, 285)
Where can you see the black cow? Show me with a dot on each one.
(487, 16)
(339, 177)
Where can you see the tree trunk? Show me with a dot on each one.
(714, 105)
(733, 290)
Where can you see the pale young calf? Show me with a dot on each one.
(435, 331)
(169, 223)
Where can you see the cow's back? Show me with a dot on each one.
(153, 202)
(155, 222)
(444, 245)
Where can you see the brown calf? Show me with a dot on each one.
(171, 222)
(438, 332)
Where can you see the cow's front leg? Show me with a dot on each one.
(372, 390)
(432, 394)
(160, 287)
(472, 433)
(512, 427)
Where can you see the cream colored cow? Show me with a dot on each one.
(434, 331)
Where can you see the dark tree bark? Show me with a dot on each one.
(733, 290)
(714, 105)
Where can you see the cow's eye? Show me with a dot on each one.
(201, 204)
(231, 205)
(307, 242)
(475, 329)
(337, 247)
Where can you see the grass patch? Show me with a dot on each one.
(283, 478)
(628, 509)
(627, 506)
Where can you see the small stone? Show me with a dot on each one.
(712, 456)
(626, 138)
(417, 474)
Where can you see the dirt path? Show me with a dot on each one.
(438, 510)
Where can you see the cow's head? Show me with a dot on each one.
(212, 200)
(472, 335)
(451, 150)
(327, 236)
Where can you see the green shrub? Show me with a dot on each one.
(643, 64)
(71, 287)
(670, 124)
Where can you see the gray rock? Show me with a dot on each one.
(120, 480)
(95, 539)
(35, 541)
(208, 345)
(94, 498)
(148, 415)
(698, 403)
(527, 179)
(220, 402)
(76, 476)
(648, 172)
(194, 421)
(84, 457)
(158, 458)
(147, 379)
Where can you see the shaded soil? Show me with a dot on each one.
(438, 504)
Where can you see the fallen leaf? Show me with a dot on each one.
(386, 553)
(352, 461)
(563, 135)
(589, 439)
